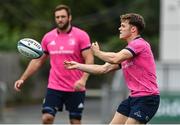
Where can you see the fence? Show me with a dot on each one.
(2, 99)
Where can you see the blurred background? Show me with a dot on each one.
(100, 18)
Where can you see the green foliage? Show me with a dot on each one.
(154, 42)
(114, 44)
(100, 19)
(8, 37)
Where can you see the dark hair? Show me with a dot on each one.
(61, 7)
(135, 20)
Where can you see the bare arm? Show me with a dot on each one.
(33, 66)
(92, 68)
(89, 59)
(111, 57)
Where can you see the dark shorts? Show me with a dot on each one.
(73, 102)
(140, 108)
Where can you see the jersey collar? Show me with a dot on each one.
(70, 29)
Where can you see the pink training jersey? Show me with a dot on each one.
(140, 71)
(61, 47)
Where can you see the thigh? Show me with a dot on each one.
(122, 112)
(144, 108)
(119, 118)
(75, 101)
(52, 102)
(124, 107)
(132, 121)
(75, 104)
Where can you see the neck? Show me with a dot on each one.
(133, 37)
(65, 30)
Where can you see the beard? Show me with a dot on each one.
(63, 26)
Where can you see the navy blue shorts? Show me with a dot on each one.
(73, 102)
(140, 108)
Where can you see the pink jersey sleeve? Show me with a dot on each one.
(85, 41)
(44, 44)
(140, 71)
(136, 46)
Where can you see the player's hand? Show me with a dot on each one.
(95, 47)
(18, 84)
(71, 64)
(79, 85)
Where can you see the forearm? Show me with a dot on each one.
(91, 68)
(85, 76)
(114, 58)
(106, 56)
(30, 70)
(89, 59)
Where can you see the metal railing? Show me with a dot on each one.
(2, 99)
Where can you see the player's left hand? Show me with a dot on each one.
(79, 85)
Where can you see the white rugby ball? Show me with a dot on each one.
(30, 48)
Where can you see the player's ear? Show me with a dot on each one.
(133, 29)
(70, 17)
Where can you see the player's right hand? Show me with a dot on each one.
(18, 84)
(70, 64)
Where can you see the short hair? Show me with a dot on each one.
(135, 20)
(61, 7)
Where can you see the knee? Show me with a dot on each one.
(75, 121)
(75, 117)
(47, 118)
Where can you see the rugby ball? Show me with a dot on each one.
(30, 48)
